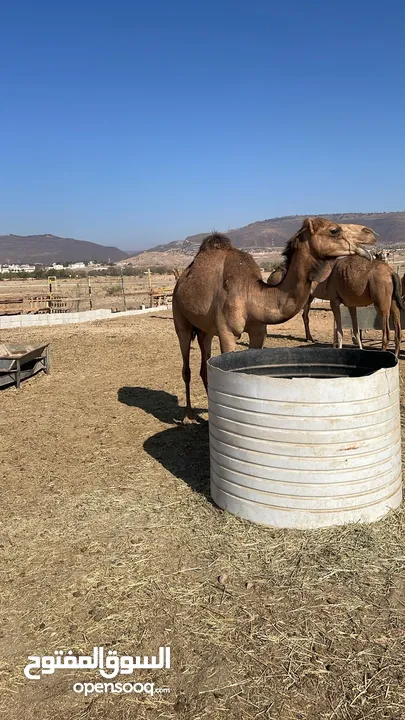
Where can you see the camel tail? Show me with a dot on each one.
(194, 334)
(397, 291)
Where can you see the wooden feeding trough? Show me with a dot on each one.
(19, 362)
(162, 296)
(11, 305)
(49, 303)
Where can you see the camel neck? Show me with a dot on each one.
(275, 305)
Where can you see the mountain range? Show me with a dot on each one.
(276, 231)
(47, 249)
(264, 234)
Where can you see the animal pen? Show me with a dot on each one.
(82, 294)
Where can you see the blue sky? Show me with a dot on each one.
(132, 123)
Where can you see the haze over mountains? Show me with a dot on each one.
(264, 234)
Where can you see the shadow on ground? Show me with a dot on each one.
(184, 452)
(159, 403)
(280, 336)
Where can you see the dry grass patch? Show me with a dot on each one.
(108, 537)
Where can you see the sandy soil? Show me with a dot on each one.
(108, 537)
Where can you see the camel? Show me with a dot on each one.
(222, 292)
(320, 291)
(357, 282)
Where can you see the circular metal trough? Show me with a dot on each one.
(305, 437)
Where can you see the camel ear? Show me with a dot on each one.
(308, 224)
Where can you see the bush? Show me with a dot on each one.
(113, 290)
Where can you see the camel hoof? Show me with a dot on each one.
(188, 419)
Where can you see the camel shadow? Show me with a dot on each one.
(280, 336)
(159, 403)
(275, 335)
(184, 452)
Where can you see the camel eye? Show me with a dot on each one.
(335, 231)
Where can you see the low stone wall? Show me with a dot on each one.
(8, 322)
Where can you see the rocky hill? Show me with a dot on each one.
(46, 249)
(274, 233)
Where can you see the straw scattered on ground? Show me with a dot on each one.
(108, 537)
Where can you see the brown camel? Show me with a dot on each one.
(359, 285)
(319, 288)
(356, 282)
(222, 292)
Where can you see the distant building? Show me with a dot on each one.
(15, 268)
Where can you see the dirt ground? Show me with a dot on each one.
(108, 538)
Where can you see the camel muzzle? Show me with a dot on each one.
(359, 250)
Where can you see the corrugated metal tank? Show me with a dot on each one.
(305, 437)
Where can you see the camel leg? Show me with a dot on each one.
(385, 325)
(305, 317)
(385, 322)
(356, 336)
(335, 305)
(204, 342)
(227, 340)
(257, 335)
(396, 321)
(184, 336)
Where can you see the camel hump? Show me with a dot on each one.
(215, 241)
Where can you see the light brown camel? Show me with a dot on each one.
(357, 282)
(222, 292)
(319, 288)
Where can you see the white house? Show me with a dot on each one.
(15, 268)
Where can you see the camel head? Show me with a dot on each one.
(326, 240)
(368, 236)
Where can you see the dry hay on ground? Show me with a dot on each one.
(108, 537)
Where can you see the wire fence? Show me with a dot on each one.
(89, 293)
